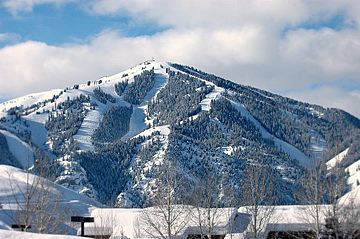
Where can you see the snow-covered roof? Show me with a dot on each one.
(112, 220)
(121, 221)
(289, 218)
(124, 222)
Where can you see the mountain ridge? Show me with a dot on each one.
(130, 122)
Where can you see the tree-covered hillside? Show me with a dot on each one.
(109, 138)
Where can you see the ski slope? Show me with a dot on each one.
(286, 147)
(89, 125)
(215, 94)
(138, 118)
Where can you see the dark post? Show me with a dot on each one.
(82, 220)
(82, 229)
(21, 227)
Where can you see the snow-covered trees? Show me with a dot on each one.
(291, 120)
(107, 168)
(114, 125)
(64, 123)
(103, 97)
(120, 87)
(179, 99)
(6, 156)
(136, 91)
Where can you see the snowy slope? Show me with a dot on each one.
(351, 198)
(27, 100)
(22, 151)
(337, 159)
(353, 172)
(16, 178)
(37, 116)
(13, 183)
(90, 124)
(214, 95)
(164, 130)
(288, 148)
(138, 118)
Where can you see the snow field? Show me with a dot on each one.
(89, 125)
(28, 235)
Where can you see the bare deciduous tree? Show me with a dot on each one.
(36, 204)
(168, 215)
(312, 193)
(104, 224)
(258, 197)
(137, 229)
(232, 199)
(350, 216)
(206, 203)
(335, 187)
(208, 199)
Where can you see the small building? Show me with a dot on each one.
(286, 222)
(116, 223)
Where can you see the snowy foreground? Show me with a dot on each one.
(117, 222)
(20, 235)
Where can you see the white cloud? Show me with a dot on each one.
(214, 14)
(9, 37)
(243, 41)
(334, 53)
(242, 55)
(205, 14)
(16, 6)
(332, 97)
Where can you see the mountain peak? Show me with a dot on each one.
(107, 138)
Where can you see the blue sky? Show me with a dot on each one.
(308, 50)
(68, 23)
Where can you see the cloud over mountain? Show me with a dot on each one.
(282, 46)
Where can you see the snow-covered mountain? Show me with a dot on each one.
(107, 138)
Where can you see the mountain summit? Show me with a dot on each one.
(107, 138)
